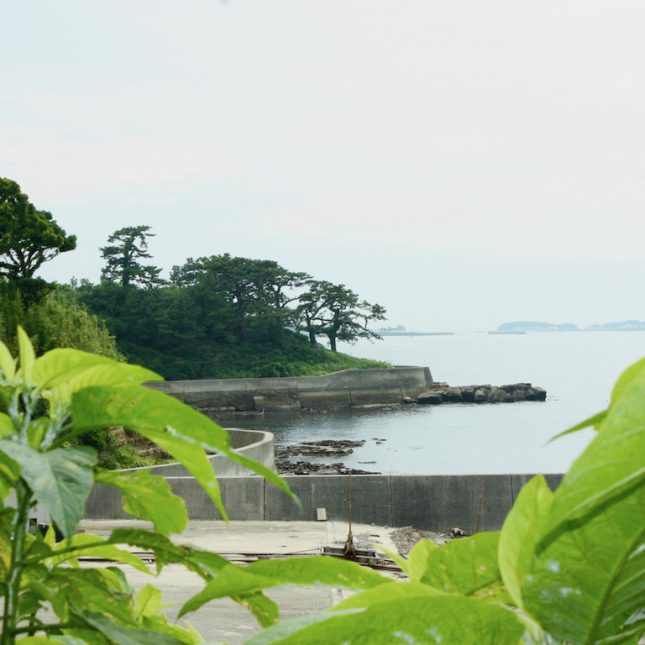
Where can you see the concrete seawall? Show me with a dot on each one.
(254, 444)
(345, 389)
(432, 502)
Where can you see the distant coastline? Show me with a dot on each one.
(415, 333)
(400, 330)
(525, 326)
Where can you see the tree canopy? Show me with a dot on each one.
(222, 315)
(335, 311)
(28, 236)
(123, 254)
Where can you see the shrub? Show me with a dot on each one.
(566, 566)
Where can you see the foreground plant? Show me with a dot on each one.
(45, 403)
(566, 567)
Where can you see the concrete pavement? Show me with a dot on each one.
(223, 620)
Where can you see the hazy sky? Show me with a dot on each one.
(461, 163)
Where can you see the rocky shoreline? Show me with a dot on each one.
(436, 394)
(324, 448)
(439, 393)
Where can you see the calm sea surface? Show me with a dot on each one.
(577, 370)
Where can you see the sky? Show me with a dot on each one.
(462, 163)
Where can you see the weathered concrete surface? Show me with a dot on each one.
(255, 444)
(223, 620)
(433, 502)
(338, 390)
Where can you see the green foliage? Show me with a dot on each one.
(335, 311)
(190, 332)
(46, 403)
(57, 320)
(28, 237)
(226, 317)
(126, 248)
(567, 567)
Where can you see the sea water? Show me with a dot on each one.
(577, 369)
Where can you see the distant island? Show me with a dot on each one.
(400, 330)
(524, 326)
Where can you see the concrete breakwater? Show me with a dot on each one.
(432, 502)
(345, 389)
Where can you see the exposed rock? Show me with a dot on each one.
(497, 395)
(508, 393)
(406, 537)
(536, 394)
(468, 393)
(452, 395)
(514, 387)
(430, 398)
(456, 532)
(481, 395)
(308, 468)
(325, 448)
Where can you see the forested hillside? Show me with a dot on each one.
(215, 317)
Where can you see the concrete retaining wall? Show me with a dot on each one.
(343, 389)
(254, 444)
(433, 502)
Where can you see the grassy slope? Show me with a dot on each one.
(294, 357)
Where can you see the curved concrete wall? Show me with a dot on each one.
(342, 389)
(254, 444)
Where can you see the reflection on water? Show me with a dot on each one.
(577, 369)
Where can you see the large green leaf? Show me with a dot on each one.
(431, 619)
(81, 370)
(87, 545)
(43, 640)
(77, 590)
(595, 421)
(319, 570)
(148, 497)
(386, 593)
(140, 408)
(519, 533)
(27, 356)
(6, 425)
(263, 471)
(266, 612)
(612, 463)
(589, 582)
(634, 372)
(417, 563)
(61, 479)
(179, 430)
(7, 363)
(203, 563)
(172, 425)
(149, 602)
(59, 365)
(124, 634)
(464, 566)
(9, 473)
